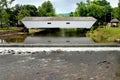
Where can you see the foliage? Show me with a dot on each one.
(119, 10)
(10, 28)
(101, 2)
(81, 10)
(100, 9)
(115, 12)
(4, 15)
(23, 13)
(31, 8)
(46, 9)
(105, 34)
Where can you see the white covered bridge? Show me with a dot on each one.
(58, 22)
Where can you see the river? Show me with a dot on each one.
(50, 36)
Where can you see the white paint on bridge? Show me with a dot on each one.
(58, 22)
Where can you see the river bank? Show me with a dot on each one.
(11, 31)
(105, 34)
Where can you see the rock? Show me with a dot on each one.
(117, 73)
(80, 79)
(117, 40)
(103, 62)
(67, 41)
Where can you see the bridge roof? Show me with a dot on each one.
(58, 19)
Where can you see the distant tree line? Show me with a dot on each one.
(100, 9)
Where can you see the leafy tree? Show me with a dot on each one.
(95, 11)
(15, 11)
(101, 2)
(22, 13)
(4, 5)
(71, 14)
(46, 9)
(31, 8)
(115, 12)
(88, 2)
(100, 9)
(119, 10)
(81, 9)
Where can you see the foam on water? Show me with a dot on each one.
(61, 48)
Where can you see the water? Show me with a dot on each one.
(59, 65)
(50, 36)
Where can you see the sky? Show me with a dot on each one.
(61, 6)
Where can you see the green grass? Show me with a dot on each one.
(9, 28)
(105, 34)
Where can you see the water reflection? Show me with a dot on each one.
(18, 38)
(50, 36)
(55, 32)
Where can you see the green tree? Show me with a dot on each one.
(31, 8)
(81, 9)
(46, 9)
(22, 13)
(71, 14)
(4, 5)
(100, 9)
(119, 10)
(115, 12)
(95, 11)
(14, 13)
(88, 2)
(101, 2)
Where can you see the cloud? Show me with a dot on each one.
(114, 3)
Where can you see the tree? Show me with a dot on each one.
(119, 9)
(31, 8)
(22, 13)
(101, 2)
(81, 9)
(18, 11)
(100, 9)
(71, 14)
(4, 5)
(95, 11)
(88, 2)
(14, 13)
(115, 12)
(46, 9)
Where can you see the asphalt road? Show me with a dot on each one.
(59, 65)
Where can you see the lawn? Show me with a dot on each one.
(105, 34)
(9, 28)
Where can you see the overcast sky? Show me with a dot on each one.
(61, 6)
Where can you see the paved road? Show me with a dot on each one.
(59, 65)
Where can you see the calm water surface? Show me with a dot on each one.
(50, 36)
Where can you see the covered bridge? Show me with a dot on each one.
(58, 22)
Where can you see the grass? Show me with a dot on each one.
(105, 34)
(9, 28)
